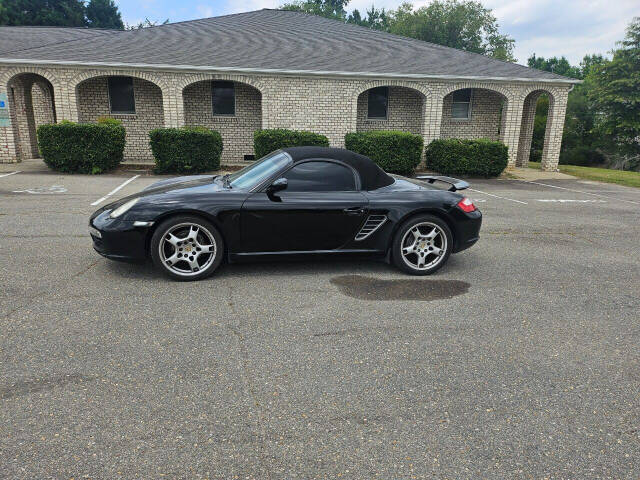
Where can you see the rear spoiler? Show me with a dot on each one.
(455, 183)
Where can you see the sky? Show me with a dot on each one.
(547, 28)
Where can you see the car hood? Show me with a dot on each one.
(178, 183)
(172, 189)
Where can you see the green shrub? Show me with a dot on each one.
(186, 149)
(266, 141)
(81, 147)
(109, 121)
(484, 158)
(394, 152)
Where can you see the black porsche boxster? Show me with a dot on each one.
(301, 200)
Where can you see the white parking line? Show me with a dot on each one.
(7, 174)
(114, 190)
(580, 191)
(497, 196)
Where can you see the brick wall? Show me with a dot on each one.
(93, 102)
(485, 118)
(404, 112)
(331, 106)
(237, 130)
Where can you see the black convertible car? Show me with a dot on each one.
(301, 200)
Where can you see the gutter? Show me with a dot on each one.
(278, 71)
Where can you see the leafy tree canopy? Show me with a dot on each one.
(613, 87)
(325, 8)
(464, 24)
(104, 14)
(60, 13)
(375, 19)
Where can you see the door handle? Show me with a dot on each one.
(354, 211)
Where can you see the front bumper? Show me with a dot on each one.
(118, 239)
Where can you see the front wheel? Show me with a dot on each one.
(422, 245)
(187, 248)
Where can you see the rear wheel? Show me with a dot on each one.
(187, 248)
(422, 245)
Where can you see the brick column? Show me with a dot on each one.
(24, 123)
(432, 117)
(511, 123)
(553, 131)
(173, 106)
(8, 146)
(64, 95)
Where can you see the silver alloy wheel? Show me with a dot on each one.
(187, 249)
(423, 246)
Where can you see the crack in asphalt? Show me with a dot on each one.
(26, 387)
(44, 292)
(249, 381)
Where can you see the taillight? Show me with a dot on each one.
(466, 205)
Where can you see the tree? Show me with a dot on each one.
(466, 25)
(64, 13)
(375, 19)
(61, 13)
(104, 14)
(560, 66)
(145, 24)
(325, 8)
(613, 87)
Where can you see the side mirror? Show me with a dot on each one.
(276, 186)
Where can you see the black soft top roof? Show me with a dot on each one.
(371, 175)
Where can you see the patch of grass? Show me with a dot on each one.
(621, 177)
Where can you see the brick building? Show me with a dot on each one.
(266, 69)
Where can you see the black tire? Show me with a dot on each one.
(425, 248)
(189, 249)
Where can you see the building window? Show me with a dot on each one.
(223, 97)
(461, 105)
(121, 97)
(378, 102)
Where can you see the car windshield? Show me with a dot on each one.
(255, 173)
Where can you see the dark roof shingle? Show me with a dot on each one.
(273, 40)
(14, 40)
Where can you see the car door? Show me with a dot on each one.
(322, 208)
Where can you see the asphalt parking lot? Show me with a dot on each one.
(519, 359)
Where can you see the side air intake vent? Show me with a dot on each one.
(373, 223)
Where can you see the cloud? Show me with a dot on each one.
(205, 11)
(237, 6)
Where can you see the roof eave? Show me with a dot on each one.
(279, 71)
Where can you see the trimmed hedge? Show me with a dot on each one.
(82, 147)
(393, 151)
(266, 141)
(454, 156)
(186, 149)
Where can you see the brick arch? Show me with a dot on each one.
(26, 110)
(401, 115)
(360, 89)
(549, 90)
(9, 74)
(530, 100)
(203, 77)
(505, 92)
(143, 75)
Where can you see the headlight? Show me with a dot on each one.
(124, 207)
